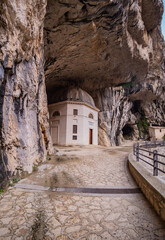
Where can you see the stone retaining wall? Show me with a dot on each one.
(152, 187)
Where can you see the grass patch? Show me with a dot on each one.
(34, 168)
(11, 185)
(15, 180)
(1, 191)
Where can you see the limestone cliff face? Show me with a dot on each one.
(123, 108)
(114, 114)
(24, 130)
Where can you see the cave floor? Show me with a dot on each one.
(34, 209)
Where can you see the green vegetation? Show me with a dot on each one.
(11, 185)
(139, 125)
(34, 168)
(130, 84)
(142, 125)
(1, 191)
(48, 158)
(163, 138)
(15, 180)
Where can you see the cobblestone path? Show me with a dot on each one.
(85, 167)
(37, 215)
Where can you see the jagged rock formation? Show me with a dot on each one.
(90, 44)
(115, 113)
(123, 108)
(151, 97)
(24, 129)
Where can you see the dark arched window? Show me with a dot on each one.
(56, 113)
(90, 116)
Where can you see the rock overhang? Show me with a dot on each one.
(97, 44)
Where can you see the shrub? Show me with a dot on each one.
(15, 180)
(142, 125)
(130, 84)
(1, 191)
(34, 168)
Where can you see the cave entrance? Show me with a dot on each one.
(136, 107)
(128, 132)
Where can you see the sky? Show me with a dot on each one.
(163, 21)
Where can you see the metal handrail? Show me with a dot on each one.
(146, 151)
(140, 147)
(160, 155)
(153, 144)
(145, 156)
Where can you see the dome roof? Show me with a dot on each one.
(72, 94)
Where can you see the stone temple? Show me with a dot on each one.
(73, 118)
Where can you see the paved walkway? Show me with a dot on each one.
(37, 214)
(85, 167)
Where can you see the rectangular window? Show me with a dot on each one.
(74, 137)
(75, 112)
(91, 123)
(74, 128)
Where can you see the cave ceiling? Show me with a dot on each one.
(97, 44)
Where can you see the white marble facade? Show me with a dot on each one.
(74, 121)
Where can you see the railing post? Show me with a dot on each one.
(155, 158)
(155, 144)
(137, 152)
(134, 149)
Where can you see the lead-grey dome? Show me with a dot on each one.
(72, 94)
